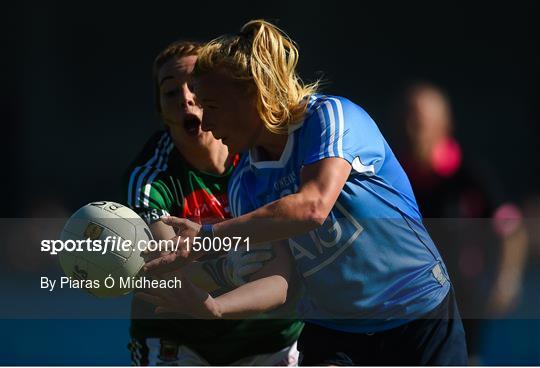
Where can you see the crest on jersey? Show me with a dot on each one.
(79, 273)
(93, 231)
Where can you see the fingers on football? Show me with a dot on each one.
(160, 264)
(172, 221)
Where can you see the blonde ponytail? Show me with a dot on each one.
(265, 56)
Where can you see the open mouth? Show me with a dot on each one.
(192, 124)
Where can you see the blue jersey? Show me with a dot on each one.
(372, 265)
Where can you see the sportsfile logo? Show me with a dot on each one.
(324, 245)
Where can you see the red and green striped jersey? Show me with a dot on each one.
(161, 182)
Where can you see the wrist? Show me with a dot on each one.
(214, 308)
(206, 231)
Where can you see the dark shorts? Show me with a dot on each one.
(436, 339)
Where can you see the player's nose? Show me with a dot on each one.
(188, 97)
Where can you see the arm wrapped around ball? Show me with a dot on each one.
(267, 291)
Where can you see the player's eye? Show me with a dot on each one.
(172, 93)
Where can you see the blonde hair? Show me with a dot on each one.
(264, 55)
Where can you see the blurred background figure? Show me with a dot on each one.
(485, 254)
(515, 339)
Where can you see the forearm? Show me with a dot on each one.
(267, 291)
(295, 213)
(282, 219)
(253, 298)
(161, 231)
(513, 256)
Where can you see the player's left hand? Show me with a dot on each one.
(162, 262)
(182, 227)
(188, 300)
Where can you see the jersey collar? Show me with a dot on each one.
(287, 151)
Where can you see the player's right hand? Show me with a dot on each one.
(160, 262)
(166, 261)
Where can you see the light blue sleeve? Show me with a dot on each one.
(339, 128)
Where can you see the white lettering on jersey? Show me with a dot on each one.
(328, 241)
(285, 181)
(299, 251)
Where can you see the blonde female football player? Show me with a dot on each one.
(184, 171)
(317, 170)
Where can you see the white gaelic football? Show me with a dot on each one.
(98, 221)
